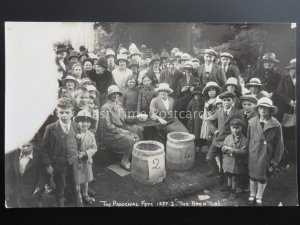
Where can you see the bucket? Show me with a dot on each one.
(180, 151)
(148, 162)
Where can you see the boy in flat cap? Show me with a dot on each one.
(222, 130)
(59, 150)
(234, 156)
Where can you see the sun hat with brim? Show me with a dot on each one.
(122, 57)
(164, 55)
(254, 82)
(231, 81)
(292, 64)
(266, 102)
(178, 54)
(91, 88)
(209, 85)
(188, 65)
(113, 89)
(85, 115)
(210, 51)
(102, 62)
(73, 54)
(70, 78)
(270, 56)
(196, 60)
(61, 48)
(123, 51)
(227, 55)
(227, 94)
(88, 60)
(133, 63)
(110, 52)
(237, 121)
(155, 58)
(184, 57)
(135, 52)
(249, 97)
(164, 87)
(175, 50)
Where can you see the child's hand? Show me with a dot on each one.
(82, 154)
(78, 136)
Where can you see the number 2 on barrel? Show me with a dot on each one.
(187, 154)
(155, 162)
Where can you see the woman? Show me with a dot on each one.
(265, 148)
(77, 72)
(161, 109)
(116, 132)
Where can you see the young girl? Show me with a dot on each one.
(94, 93)
(219, 103)
(130, 96)
(146, 94)
(234, 151)
(210, 92)
(86, 141)
(70, 85)
(232, 85)
(265, 148)
(194, 110)
(77, 71)
(81, 100)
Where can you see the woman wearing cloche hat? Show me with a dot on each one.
(265, 148)
(162, 110)
(116, 134)
(121, 73)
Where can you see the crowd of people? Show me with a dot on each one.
(244, 125)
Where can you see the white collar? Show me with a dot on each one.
(65, 124)
(26, 156)
(228, 110)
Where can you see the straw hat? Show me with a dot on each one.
(178, 54)
(188, 65)
(71, 78)
(110, 52)
(175, 50)
(184, 57)
(270, 56)
(210, 51)
(164, 87)
(209, 85)
(122, 57)
(266, 102)
(254, 82)
(85, 115)
(113, 89)
(231, 81)
(135, 51)
(292, 64)
(196, 60)
(226, 54)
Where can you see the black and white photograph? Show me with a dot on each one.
(144, 114)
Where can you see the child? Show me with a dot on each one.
(59, 152)
(86, 151)
(210, 92)
(248, 102)
(234, 151)
(146, 94)
(70, 84)
(94, 109)
(24, 177)
(94, 93)
(265, 148)
(232, 85)
(255, 88)
(219, 103)
(130, 96)
(81, 99)
(221, 129)
(193, 113)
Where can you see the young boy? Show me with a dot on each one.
(59, 152)
(81, 99)
(234, 152)
(248, 102)
(222, 130)
(24, 177)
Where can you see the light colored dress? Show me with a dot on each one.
(209, 109)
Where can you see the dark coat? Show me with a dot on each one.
(184, 97)
(222, 124)
(171, 79)
(53, 142)
(23, 186)
(286, 91)
(264, 145)
(144, 98)
(216, 75)
(153, 77)
(235, 163)
(130, 100)
(195, 109)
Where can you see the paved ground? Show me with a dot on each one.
(180, 189)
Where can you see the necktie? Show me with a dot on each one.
(262, 125)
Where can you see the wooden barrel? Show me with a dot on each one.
(180, 151)
(148, 162)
